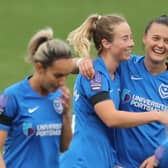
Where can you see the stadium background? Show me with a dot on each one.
(20, 19)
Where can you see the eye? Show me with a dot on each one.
(56, 75)
(155, 38)
(166, 41)
(125, 38)
(60, 75)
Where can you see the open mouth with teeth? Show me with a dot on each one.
(158, 51)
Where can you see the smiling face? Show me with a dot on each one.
(156, 42)
(122, 43)
(121, 46)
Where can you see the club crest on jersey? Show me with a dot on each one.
(28, 129)
(125, 96)
(163, 91)
(58, 106)
(3, 102)
(96, 82)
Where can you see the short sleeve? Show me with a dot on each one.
(98, 84)
(7, 111)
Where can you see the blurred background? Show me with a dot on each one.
(20, 19)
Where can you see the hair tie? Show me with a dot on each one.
(99, 17)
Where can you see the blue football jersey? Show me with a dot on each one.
(140, 91)
(34, 134)
(90, 146)
(161, 155)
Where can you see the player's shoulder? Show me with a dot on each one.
(132, 63)
(135, 58)
(13, 89)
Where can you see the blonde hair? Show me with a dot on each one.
(45, 49)
(97, 27)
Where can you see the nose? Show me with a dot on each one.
(62, 81)
(160, 43)
(131, 43)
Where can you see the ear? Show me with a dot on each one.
(38, 67)
(105, 43)
(144, 39)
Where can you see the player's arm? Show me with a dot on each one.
(75, 63)
(3, 136)
(84, 65)
(159, 159)
(112, 117)
(66, 135)
(8, 108)
(66, 131)
(149, 163)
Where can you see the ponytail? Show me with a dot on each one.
(81, 36)
(38, 39)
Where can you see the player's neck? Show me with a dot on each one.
(36, 86)
(111, 64)
(155, 67)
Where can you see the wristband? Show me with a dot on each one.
(78, 62)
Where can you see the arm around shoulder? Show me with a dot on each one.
(84, 66)
(116, 118)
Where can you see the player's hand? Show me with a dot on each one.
(148, 163)
(86, 68)
(164, 117)
(66, 98)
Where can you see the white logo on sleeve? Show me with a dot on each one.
(136, 78)
(32, 110)
(76, 95)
